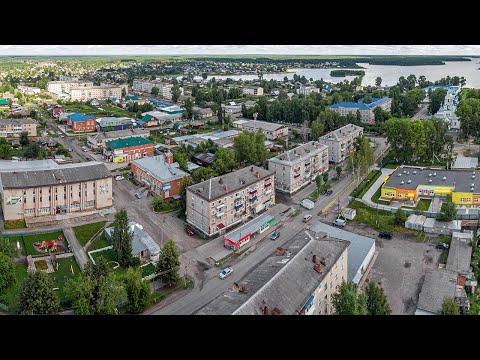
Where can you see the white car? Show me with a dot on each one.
(119, 177)
(225, 273)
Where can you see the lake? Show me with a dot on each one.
(388, 73)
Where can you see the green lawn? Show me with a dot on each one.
(164, 292)
(62, 275)
(376, 197)
(107, 254)
(30, 239)
(11, 296)
(14, 239)
(314, 195)
(363, 187)
(391, 166)
(91, 110)
(423, 204)
(99, 243)
(368, 215)
(14, 224)
(85, 232)
(148, 269)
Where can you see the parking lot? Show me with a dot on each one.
(400, 266)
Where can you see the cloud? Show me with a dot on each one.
(9, 50)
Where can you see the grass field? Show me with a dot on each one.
(14, 240)
(10, 297)
(107, 254)
(30, 239)
(363, 187)
(62, 275)
(85, 232)
(148, 269)
(99, 243)
(91, 110)
(14, 224)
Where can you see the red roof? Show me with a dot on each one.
(220, 226)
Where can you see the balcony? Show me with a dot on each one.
(269, 191)
(252, 199)
(296, 176)
(220, 213)
(220, 206)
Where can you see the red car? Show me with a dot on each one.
(189, 230)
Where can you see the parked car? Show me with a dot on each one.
(323, 192)
(70, 149)
(274, 235)
(225, 273)
(307, 218)
(340, 222)
(442, 246)
(189, 230)
(119, 177)
(329, 192)
(386, 235)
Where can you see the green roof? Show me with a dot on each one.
(131, 97)
(3, 102)
(146, 118)
(128, 142)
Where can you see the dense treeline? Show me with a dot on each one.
(343, 73)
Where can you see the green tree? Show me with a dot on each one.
(469, 112)
(317, 129)
(318, 181)
(378, 81)
(380, 115)
(24, 138)
(122, 238)
(347, 302)
(7, 272)
(400, 217)
(250, 148)
(182, 161)
(176, 92)
(138, 291)
(168, 263)
(282, 95)
(449, 307)
(244, 110)
(158, 204)
(377, 303)
(360, 158)
(37, 295)
(155, 90)
(188, 113)
(448, 211)
(339, 169)
(204, 76)
(224, 161)
(437, 97)
(183, 196)
(203, 173)
(325, 177)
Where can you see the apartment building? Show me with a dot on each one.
(43, 187)
(95, 92)
(14, 127)
(145, 86)
(29, 90)
(127, 149)
(298, 167)
(68, 78)
(160, 174)
(252, 90)
(65, 87)
(219, 203)
(272, 131)
(307, 90)
(300, 278)
(81, 122)
(98, 140)
(366, 110)
(340, 141)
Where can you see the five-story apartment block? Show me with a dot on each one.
(340, 141)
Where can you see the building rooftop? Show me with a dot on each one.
(141, 240)
(360, 105)
(46, 174)
(341, 133)
(214, 135)
(463, 162)
(230, 182)
(17, 121)
(262, 125)
(127, 142)
(119, 133)
(159, 168)
(299, 154)
(460, 253)
(359, 249)
(80, 117)
(284, 282)
(249, 228)
(438, 284)
(110, 119)
(411, 177)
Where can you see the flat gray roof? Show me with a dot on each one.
(63, 174)
(360, 246)
(299, 154)
(214, 135)
(460, 179)
(14, 165)
(460, 253)
(234, 181)
(438, 284)
(159, 168)
(249, 228)
(463, 162)
(141, 240)
(17, 121)
(262, 125)
(118, 134)
(283, 282)
(341, 133)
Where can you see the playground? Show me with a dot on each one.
(44, 243)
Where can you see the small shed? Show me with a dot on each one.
(349, 213)
(415, 222)
(433, 226)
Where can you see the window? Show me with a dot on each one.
(326, 288)
(331, 285)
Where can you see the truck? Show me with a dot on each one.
(308, 204)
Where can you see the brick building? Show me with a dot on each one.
(81, 122)
(126, 150)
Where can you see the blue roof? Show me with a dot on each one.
(80, 117)
(359, 105)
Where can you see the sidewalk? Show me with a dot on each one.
(367, 198)
(78, 251)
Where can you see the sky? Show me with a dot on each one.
(30, 50)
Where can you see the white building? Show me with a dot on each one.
(307, 90)
(298, 167)
(145, 86)
(340, 141)
(272, 131)
(448, 109)
(64, 87)
(252, 90)
(95, 92)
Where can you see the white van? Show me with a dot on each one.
(307, 218)
(308, 204)
(340, 222)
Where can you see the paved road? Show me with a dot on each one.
(422, 113)
(78, 251)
